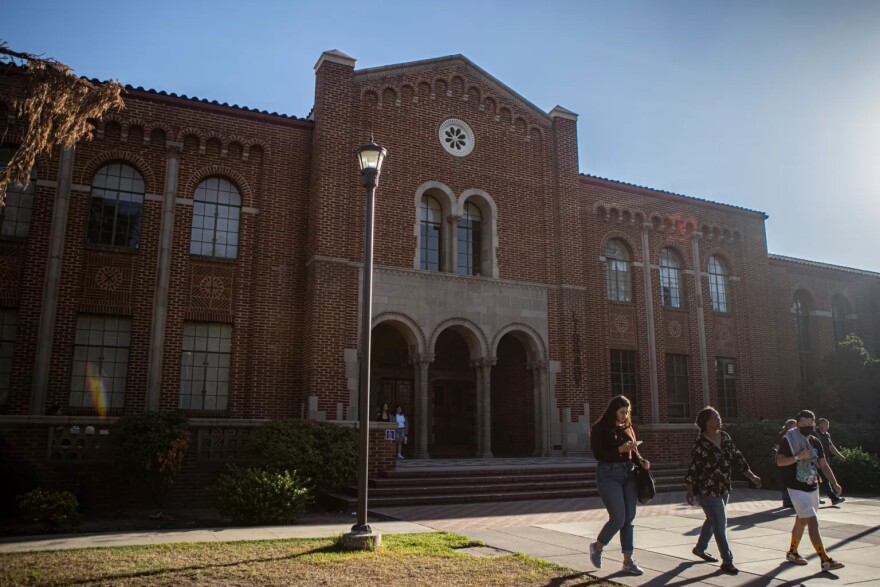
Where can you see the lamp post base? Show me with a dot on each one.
(362, 538)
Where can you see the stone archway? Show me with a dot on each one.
(397, 360)
(520, 392)
(513, 400)
(452, 398)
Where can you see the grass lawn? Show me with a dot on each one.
(404, 559)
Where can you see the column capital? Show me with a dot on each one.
(173, 148)
(540, 365)
(453, 218)
(421, 359)
(484, 362)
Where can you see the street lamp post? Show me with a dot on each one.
(370, 158)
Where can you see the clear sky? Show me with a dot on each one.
(772, 105)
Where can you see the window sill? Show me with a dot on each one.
(212, 259)
(619, 303)
(681, 310)
(112, 249)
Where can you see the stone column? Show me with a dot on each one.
(542, 422)
(46, 332)
(421, 363)
(652, 340)
(701, 318)
(163, 277)
(484, 407)
(452, 243)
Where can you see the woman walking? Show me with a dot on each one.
(708, 478)
(614, 444)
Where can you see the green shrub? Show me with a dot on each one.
(257, 496)
(755, 440)
(852, 434)
(860, 472)
(323, 452)
(56, 509)
(148, 449)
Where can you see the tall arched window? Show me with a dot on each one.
(840, 311)
(15, 215)
(216, 217)
(431, 225)
(670, 278)
(718, 294)
(116, 206)
(470, 240)
(617, 273)
(800, 308)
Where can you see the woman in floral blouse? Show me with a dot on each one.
(708, 478)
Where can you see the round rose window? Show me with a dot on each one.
(456, 137)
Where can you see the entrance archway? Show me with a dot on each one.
(452, 398)
(391, 375)
(513, 400)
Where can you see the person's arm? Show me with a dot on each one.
(829, 474)
(742, 464)
(691, 476)
(833, 450)
(784, 458)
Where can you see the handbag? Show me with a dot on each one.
(645, 483)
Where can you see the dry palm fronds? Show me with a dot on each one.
(56, 107)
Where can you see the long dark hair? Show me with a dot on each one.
(609, 417)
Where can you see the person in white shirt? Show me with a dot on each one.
(400, 418)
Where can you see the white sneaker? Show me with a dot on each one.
(400, 456)
(595, 556)
(632, 567)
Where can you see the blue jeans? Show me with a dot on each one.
(715, 509)
(619, 493)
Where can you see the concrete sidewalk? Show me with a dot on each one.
(666, 530)
(561, 530)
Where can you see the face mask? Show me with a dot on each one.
(807, 430)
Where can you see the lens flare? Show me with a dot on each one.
(95, 382)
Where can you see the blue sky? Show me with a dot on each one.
(767, 105)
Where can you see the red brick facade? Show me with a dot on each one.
(291, 293)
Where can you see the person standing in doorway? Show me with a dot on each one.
(800, 457)
(384, 414)
(614, 444)
(400, 418)
(789, 424)
(822, 427)
(708, 479)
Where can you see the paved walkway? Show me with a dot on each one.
(560, 531)
(666, 531)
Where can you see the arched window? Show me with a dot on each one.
(15, 215)
(431, 225)
(840, 311)
(216, 216)
(800, 308)
(718, 295)
(617, 272)
(470, 241)
(670, 278)
(116, 206)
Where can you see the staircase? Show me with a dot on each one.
(448, 481)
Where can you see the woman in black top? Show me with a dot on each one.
(614, 445)
(708, 478)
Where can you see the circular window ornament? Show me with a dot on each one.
(456, 137)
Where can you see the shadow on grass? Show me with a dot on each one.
(589, 580)
(334, 548)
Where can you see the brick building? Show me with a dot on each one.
(203, 257)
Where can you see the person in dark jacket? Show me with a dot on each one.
(615, 447)
(708, 479)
